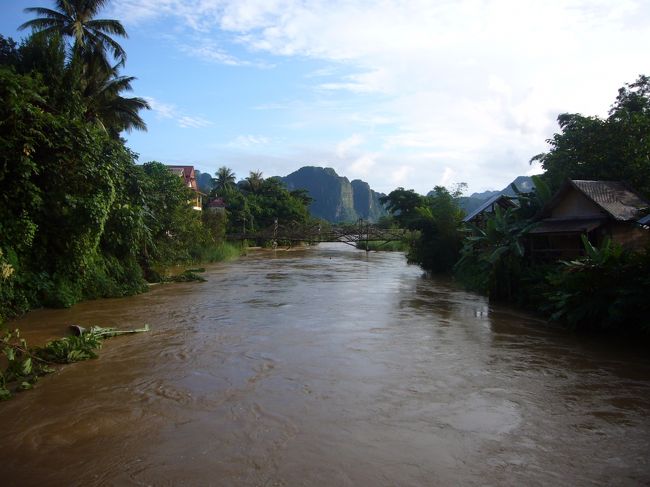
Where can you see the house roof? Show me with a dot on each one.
(187, 172)
(500, 199)
(618, 200)
(559, 226)
(217, 203)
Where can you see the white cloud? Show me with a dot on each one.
(193, 122)
(447, 177)
(247, 141)
(343, 148)
(168, 111)
(361, 166)
(464, 89)
(400, 175)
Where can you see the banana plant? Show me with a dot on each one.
(497, 250)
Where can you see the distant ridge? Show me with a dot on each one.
(336, 199)
(470, 203)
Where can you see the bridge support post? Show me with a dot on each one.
(367, 237)
(275, 234)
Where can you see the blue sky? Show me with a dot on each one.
(411, 93)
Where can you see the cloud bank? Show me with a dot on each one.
(448, 91)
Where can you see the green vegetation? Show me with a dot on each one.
(256, 203)
(436, 221)
(607, 288)
(24, 365)
(614, 148)
(78, 218)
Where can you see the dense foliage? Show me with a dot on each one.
(436, 220)
(607, 288)
(78, 218)
(256, 203)
(614, 148)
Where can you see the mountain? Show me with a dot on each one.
(470, 203)
(336, 199)
(203, 181)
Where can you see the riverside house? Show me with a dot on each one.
(187, 173)
(597, 209)
(480, 215)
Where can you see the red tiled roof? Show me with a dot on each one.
(217, 203)
(188, 175)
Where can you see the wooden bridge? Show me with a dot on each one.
(351, 234)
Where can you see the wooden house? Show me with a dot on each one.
(216, 205)
(480, 215)
(189, 179)
(597, 209)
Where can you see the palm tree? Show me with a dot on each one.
(255, 180)
(105, 105)
(75, 19)
(225, 180)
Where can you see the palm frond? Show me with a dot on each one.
(41, 24)
(106, 41)
(107, 26)
(47, 13)
(66, 6)
(93, 7)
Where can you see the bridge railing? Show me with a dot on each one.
(314, 233)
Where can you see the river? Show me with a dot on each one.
(327, 367)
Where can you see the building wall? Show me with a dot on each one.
(629, 236)
(576, 205)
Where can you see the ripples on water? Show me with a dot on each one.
(328, 367)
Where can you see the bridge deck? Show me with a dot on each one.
(347, 234)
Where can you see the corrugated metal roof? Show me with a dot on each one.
(617, 199)
(500, 199)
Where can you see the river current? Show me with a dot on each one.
(327, 367)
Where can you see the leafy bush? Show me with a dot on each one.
(607, 289)
(492, 258)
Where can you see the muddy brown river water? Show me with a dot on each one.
(327, 367)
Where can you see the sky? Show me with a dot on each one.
(410, 93)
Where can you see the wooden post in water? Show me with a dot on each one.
(275, 234)
(367, 236)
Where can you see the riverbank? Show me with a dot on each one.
(119, 285)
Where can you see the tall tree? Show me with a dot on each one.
(255, 180)
(225, 180)
(615, 148)
(402, 204)
(75, 19)
(107, 107)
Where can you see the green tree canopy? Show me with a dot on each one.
(225, 180)
(614, 148)
(75, 20)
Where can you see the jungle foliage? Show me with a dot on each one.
(436, 221)
(78, 218)
(604, 290)
(256, 202)
(614, 148)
